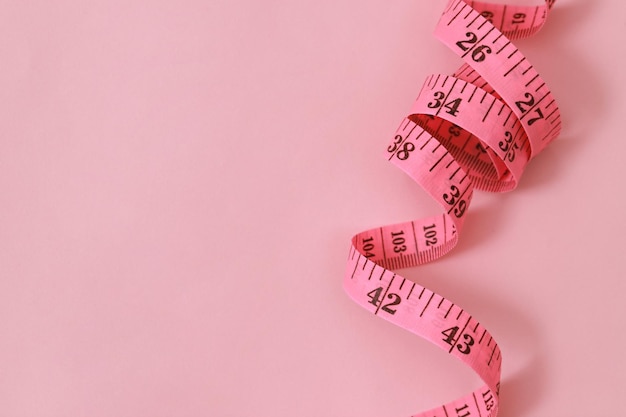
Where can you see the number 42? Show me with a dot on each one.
(375, 299)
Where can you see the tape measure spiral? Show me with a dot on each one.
(475, 129)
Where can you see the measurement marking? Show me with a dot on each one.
(440, 302)
(502, 109)
(437, 163)
(371, 272)
(488, 110)
(454, 173)
(497, 39)
(448, 312)
(419, 297)
(484, 86)
(529, 68)
(477, 407)
(481, 337)
(531, 81)
(508, 117)
(491, 357)
(556, 127)
(503, 46)
(410, 291)
(512, 53)
(425, 143)
(412, 129)
(532, 23)
(476, 79)
(420, 135)
(472, 95)
(483, 24)
(428, 80)
(550, 103)
(465, 144)
(553, 111)
(476, 327)
(539, 88)
(414, 236)
(426, 306)
(472, 22)
(514, 66)
(355, 265)
(461, 71)
(503, 16)
(382, 243)
(457, 15)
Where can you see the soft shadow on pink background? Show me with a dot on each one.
(179, 182)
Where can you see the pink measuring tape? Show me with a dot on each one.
(475, 129)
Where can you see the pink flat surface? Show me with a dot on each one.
(179, 182)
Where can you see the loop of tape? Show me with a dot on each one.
(475, 129)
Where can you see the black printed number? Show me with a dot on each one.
(508, 146)
(525, 105)
(453, 198)
(375, 299)
(398, 241)
(396, 142)
(452, 105)
(463, 347)
(480, 52)
(368, 247)
(454, 130)
(463, 411)
(405, 151)
(519, 18)
(430, 233)
(488, 399)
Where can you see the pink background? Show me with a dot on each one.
(179, 182)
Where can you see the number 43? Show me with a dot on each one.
(464, 347)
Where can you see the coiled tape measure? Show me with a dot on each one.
(475, 129)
